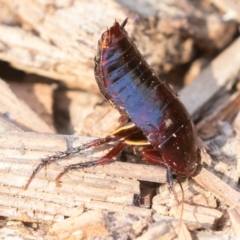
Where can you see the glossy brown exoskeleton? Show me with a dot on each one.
(151, 114)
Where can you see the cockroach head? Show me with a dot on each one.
(113, 34)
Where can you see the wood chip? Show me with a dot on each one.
(159, 230)
(209, 127)
(17, 112)
(17, 229)
(230, 7)
(234, 213)
(38, 96)
(6, 126)
(86, 225)
(219, 188)
(212, 80)
(199, 204)
(94, 119)
(162, 230)
(198, 214)
(236, 125)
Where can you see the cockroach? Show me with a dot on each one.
(152, 116)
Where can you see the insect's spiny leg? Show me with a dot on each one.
(182, 205)
(72, 151)
(103, 160)
(35, 171)
(170, 182)
(69, 152)
(94, 143)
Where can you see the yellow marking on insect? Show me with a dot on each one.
(137, 143)
(122, 128)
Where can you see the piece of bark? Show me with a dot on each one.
(207, 30)
(225, 165)
(214, 79)
(195, 69)
(100, 122)
(17, 229)
(199, 204)
(6, 126)
(192, 213)
(89, 113)
(162, 230)
(17, 112)
(194, 194)
(234, 214)
(226, 111)
(213, 235)
(236, 125)
(158, 230)
(38, 97)
(220, 189)
(88, 224)
(231, 9)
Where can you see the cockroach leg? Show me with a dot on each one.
(103, 160)
(170, 182)
(69, 152)
(120, 134)
(153, 156)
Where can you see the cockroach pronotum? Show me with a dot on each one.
(152, 115)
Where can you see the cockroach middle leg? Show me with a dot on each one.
(103, 160)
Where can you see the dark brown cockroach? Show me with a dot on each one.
(151, 114)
